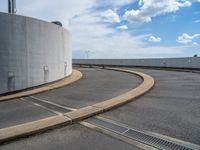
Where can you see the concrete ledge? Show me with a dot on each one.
(11, 133)
(145, 86)
(83, 113)
(76, 75)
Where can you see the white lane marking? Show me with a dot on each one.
(88, 69)
(50, 110)
(52, 103)
(125, 131)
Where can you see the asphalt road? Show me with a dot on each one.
(171, 108)
(74, 137)
(96, 85)
(17, 112)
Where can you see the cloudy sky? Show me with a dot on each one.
(123, 28)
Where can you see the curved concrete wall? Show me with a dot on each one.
(190, 62)
(32, 52)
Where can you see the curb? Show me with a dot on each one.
(22, 130)
(76, 75)
(144, 87)
(14, 132)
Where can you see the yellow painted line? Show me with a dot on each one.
(76, 75)
(14, 132)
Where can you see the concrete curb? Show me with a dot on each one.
(82, 113)
(11, 133)
(76, 75)
(22, 130)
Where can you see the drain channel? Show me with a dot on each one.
(142, 136)
(145, 137)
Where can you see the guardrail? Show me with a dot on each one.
(192, 63)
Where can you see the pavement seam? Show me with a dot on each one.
(14, 132)
(75, 76)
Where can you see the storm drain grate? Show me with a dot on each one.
(140, 136)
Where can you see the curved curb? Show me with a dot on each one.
(22, 130)
(144, 87)
(11, 133)
(76, 75)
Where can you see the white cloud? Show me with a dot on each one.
(88, 32)
(153, 8)
(123, 27)
(197, 21)
(195, 44)
(185, 38)
(110, 16)
(196, 12)
(116, 3)
(154, 39)
(121, 2)
(61, 10)
(105, 42)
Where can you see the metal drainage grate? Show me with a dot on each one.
(145, 138)
(155, 142)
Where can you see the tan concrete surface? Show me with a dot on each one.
(89, 111)
(10, 133)
(120, 100)
(83, 113)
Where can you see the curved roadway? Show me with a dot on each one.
(170, 108)
(95, 86)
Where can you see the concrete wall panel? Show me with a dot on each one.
(32, 52)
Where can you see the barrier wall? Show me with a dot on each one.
(190, 62)
(32, 52)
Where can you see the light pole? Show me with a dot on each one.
(12, 6)
(87, 53)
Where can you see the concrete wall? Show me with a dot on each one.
(192, 62)
(32, 52)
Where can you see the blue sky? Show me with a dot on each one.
(123, 28)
